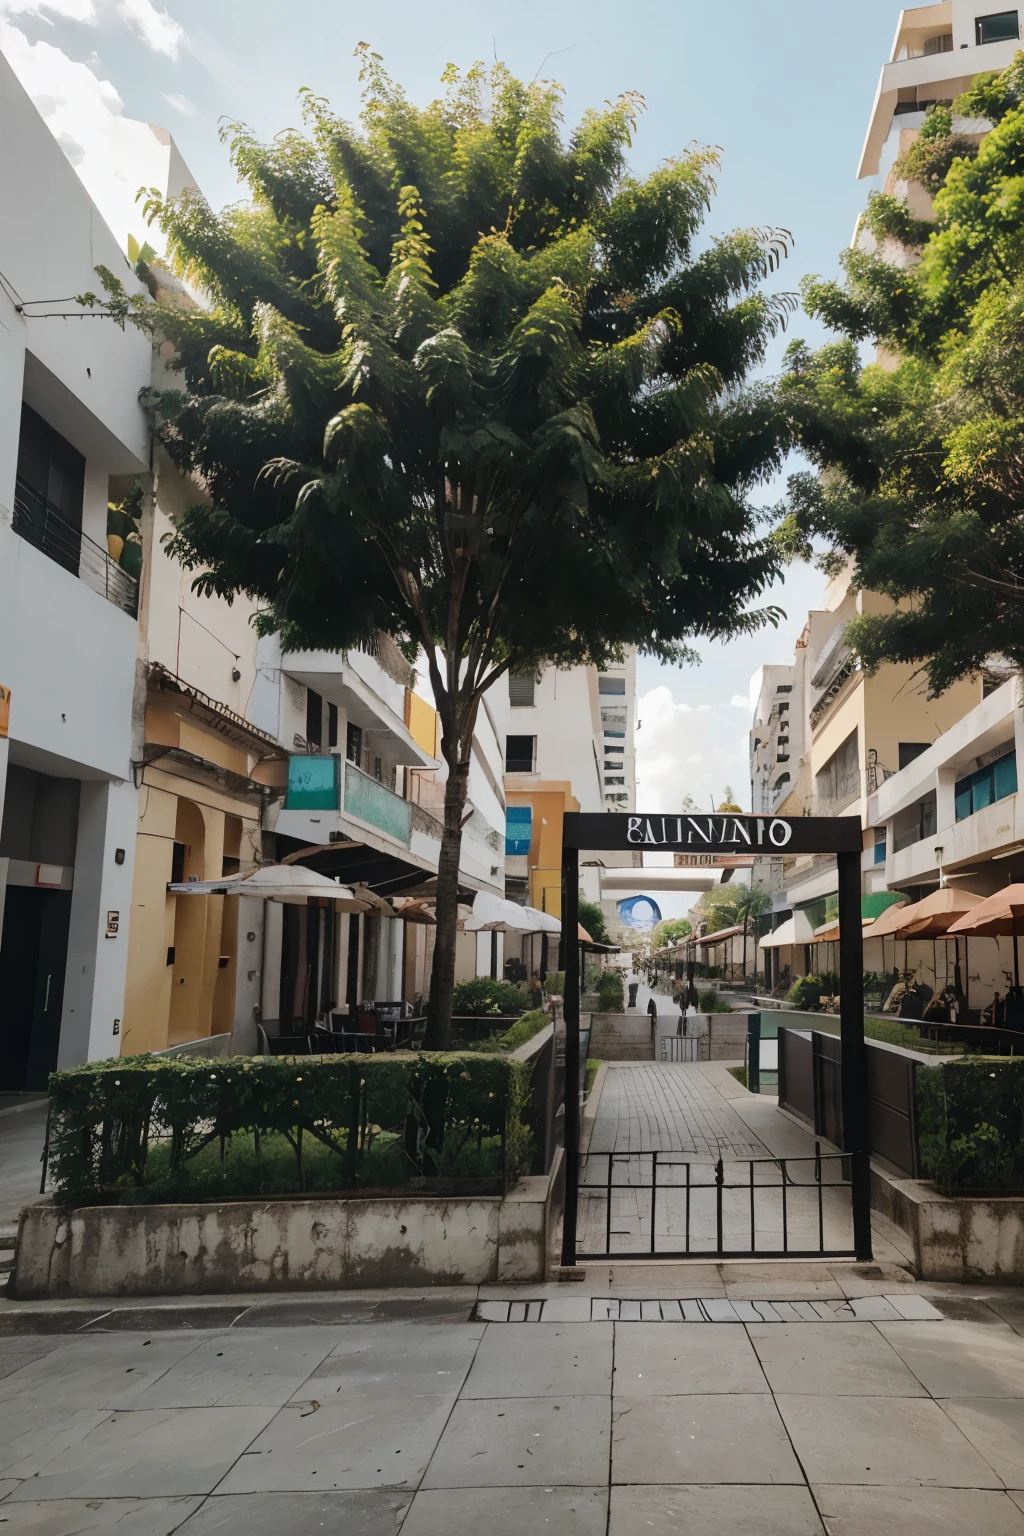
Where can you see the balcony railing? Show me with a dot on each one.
(368, 800)
(39, 523)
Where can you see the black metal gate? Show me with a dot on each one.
(670, 1205)
(724, 833)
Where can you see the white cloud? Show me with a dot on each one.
(157, 29)
(179, 103)
(680, 751)
(69, 10)
(739, 701)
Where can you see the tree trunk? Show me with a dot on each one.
(439, 1028)
(744, 949)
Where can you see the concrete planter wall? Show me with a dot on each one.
(243, 1245)
(960, 1237)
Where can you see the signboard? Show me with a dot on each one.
(712, 833)
(313, 783)
(518, 829)
(640, 912)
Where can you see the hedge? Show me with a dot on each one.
(484, 995)
(158, 1128)
(970, 1122)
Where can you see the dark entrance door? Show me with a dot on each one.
(33, 957)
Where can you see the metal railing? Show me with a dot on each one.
(676, 1183)
(40, 524)
(371, 802)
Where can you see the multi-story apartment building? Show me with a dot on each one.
(937, 52)
(777, 736)
(72, 433)
(147, 737)
(570, 747)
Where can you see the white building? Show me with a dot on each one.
(937, 52)
(776, 736)
(71, 429)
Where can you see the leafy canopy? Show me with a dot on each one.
(468, 381)
(921, 454)
(592, 919)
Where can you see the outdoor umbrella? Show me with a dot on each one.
(291, 883)
(998, 916)
(936, 914)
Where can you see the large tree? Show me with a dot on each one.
(920, 454)
(468, 381)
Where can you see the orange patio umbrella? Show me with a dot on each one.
(998, 916)
(933, 917)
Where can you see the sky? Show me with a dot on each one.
(784, 91)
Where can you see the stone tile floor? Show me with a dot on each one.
(747, 1400)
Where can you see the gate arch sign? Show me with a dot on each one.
(723, 833)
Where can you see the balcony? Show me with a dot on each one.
(40, 524)
(369, 801)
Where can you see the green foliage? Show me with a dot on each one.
(592, 919)
(920, 457)
(970, 1118)
(483, 996)
(611, 995)
(708, 1001)
(148, 1127)
(593, 1067)
(805, 992)
(517, 1034)
(669, 930)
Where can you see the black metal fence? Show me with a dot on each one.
(677, 1207)
(810, 1087)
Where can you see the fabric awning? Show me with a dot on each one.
(721, 935)
(998, 916)
(275, 882)
(934, 916)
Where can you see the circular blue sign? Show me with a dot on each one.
(640, 912)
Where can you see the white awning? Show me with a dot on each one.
(784, 935)
(493, 914)
(271, 882)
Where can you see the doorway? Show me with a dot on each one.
(33, 956)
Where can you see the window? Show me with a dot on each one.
(998, 28)
(784, 688)
(985, 786)
(48, 492)
(332, 725)
(914, 823)
(611, 685)
(314, 720)
(942, 43)
(784, 708)
(520, 754)
(620, 780)
(780, 783)
(617, 795)
(353, 743)
(908, 750)
(518, 830)
(880, 844)
(839, 780)
(522, 687)
(612, 735)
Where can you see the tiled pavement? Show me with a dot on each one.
(863, 1409)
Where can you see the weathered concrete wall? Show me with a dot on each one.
(161, 1250)
(955, 1238)
(621, 1037)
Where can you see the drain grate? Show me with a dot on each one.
(604, 1309)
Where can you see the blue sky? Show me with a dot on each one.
(784, 90)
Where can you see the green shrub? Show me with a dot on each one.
(483, 996)
(805, 992)
(157, 1128)
(611, 994)
(517, 1034)
(708, 1001)
(970, 1120)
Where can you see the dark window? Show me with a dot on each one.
(332, 725)
(616, 735)
(839, 780)
(916, 822)
(609, 750)
(314, 720)
(998, 28)
(986, 785)
(177, 863)
(229, 865)
(910, 749)
(353, 743)
(880, 844)
(611, 685)
(520, 753)
(784, 688)
(942, 43)
(784, 708)
(49, 465)
(522, 687)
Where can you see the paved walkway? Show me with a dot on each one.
(22, 1132)
(827, 1422)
